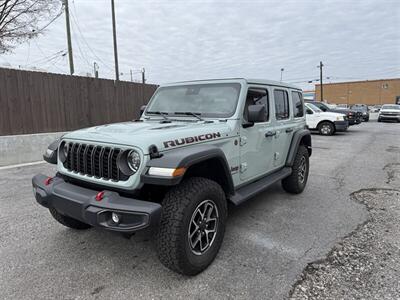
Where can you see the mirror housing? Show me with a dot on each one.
(256, 113)
(309, 111)
(142, 109)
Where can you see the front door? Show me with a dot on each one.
(256, 141)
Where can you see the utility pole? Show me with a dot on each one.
(143, 76)
(131, 75)
(71, 58)
(115, 40)
(320, 80)
(96, 70)
(282, 69)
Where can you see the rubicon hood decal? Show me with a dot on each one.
(192, 139)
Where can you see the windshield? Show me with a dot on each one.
(206, 100)
(391, 107)
(360, 108)
(313, 107)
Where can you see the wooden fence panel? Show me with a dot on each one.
(36, 102)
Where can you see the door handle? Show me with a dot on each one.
(288, 130)
(270, 133)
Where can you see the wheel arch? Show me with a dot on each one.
(206, 161)
(300, 137)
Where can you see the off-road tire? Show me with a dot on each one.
(67, 221)
(292, 184)
(179, 204)
(322, 125)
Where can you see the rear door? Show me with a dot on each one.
(284, 126)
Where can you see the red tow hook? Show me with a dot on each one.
(48, 180)
(99, 196)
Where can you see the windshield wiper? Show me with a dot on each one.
(161, 113)
(189, 113)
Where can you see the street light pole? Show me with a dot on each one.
(282, 69)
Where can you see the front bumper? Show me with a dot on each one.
(81, 204)
(353, 120)
(341, 125)
(389, 117)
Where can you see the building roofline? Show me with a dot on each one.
(358, 81)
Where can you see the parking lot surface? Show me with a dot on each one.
(268, 241)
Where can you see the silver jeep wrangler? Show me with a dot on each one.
(197, 146)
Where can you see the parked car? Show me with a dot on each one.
(327, 123)
(363, 109)
(353, 116)
(375, 108)
(197, 147)
(389, 112)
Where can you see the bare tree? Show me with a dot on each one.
(21, 20)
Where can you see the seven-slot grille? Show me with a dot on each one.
(96, 161)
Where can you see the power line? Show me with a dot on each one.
(75, 20)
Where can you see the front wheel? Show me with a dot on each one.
(326, 128)
(192, 225)
(297, 181)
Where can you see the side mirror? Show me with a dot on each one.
(256, 113)
(142, 109)
(309, 111)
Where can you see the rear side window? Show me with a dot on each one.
(281, 104)
(298, 107)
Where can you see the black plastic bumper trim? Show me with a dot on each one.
(80, 203)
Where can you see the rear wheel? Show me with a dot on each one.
(326, 128)
(192, 225)
(67, 221)
(297, 181)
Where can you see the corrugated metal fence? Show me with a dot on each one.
(34, 102)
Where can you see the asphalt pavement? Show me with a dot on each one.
(268, 242)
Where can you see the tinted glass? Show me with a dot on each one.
(281, 104)
(258, 97)
(298, 107)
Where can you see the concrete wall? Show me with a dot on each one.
(18, 149)
(365, 92)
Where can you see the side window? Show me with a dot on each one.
(281, 104)
(298, 106)
(259, 97)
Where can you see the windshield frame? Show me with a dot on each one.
(204, 115)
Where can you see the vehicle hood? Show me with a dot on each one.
(388, 110)
(142, 134)
(343, 111)
(329, 114)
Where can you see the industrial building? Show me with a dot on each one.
(370, 92)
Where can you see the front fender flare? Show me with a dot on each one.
(186, 157)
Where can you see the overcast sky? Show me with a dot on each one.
(183, 40)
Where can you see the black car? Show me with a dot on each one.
(353, 117)
(363, 109)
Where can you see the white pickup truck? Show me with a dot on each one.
(327, 123)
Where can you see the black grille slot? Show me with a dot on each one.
(96, 161)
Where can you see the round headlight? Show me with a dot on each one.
(133, 160)
(65, 150)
